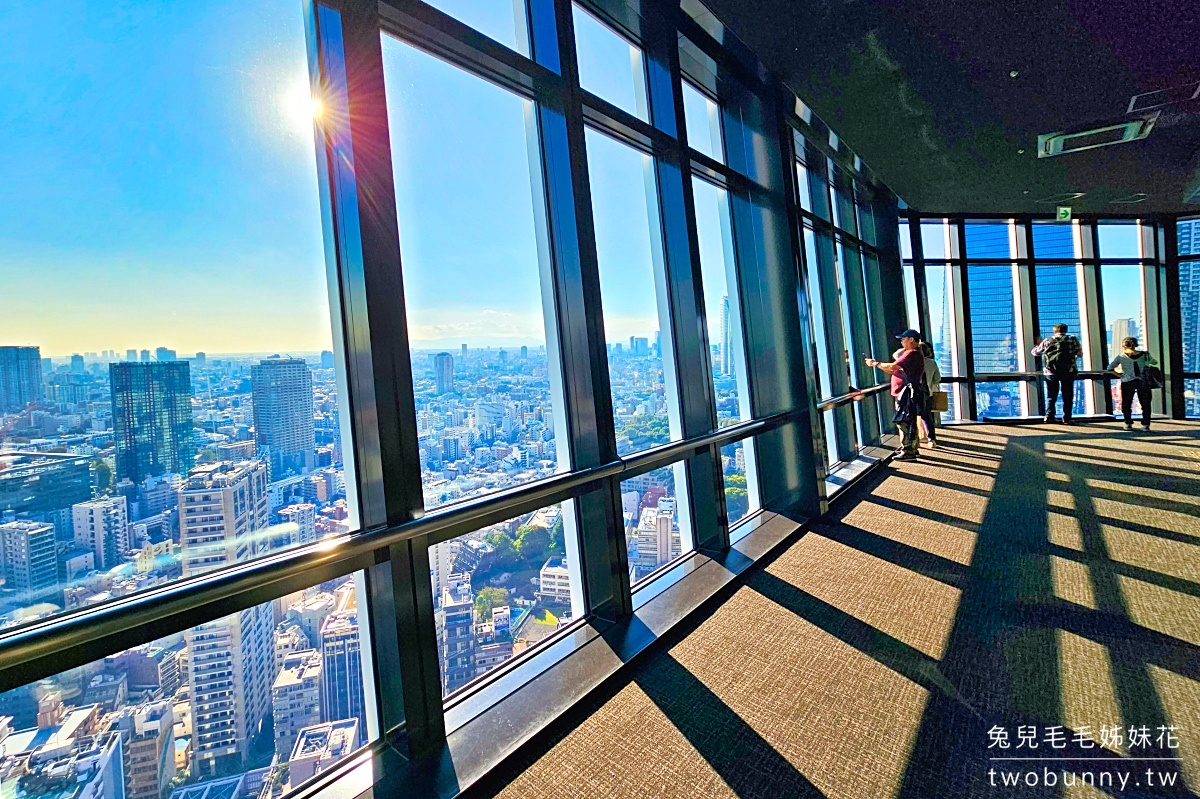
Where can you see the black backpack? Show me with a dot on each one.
(1060, 354)
(1151, 376)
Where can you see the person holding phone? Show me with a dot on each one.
(907, 373)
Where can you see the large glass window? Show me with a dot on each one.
(721, 304)
(620, 178)
(994, 337)
(502, 20)
(502, 590)
(1188, 232)
(1119, 240)
(271, 695)
(657, 530)
(1124, 313)
(162, 269)
(610, 66)
(472, 283)
(702, 116)
(1058, 292)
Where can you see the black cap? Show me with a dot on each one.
(910, 333)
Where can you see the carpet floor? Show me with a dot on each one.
(1019, 592)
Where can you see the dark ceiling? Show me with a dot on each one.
(922, 90)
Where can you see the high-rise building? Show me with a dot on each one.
(1189, 301)
(326, 359)
(321, 746)
(341, 661)
(102, 526)
(993, 318)
(77, 364)
(131, 356)
(201, 360)
(443, 372)
(296, 698)
(152, 419)
(727, 347)
(164, 355)
(284, 429)
(223, 515)
(149, 743)
(145, 356)
(455, 618)
(464, 352)
(28, 559)
(1120, 329)
(20, 377)
(304, 516)
(41, 483)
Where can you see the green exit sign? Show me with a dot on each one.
(1064, 213)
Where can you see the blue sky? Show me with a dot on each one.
(160, 185)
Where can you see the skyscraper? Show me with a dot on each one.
(726, 339)
(28, 559)
(152, 419)
(20, 377)
(283, 413)
(443, 372)
(296, 698)
(164, 355)
(1189, 300)
(341, 661)
(223, 516)
(102, 526)
(993, 317)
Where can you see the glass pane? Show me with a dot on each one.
(905, 242)
(910, 296)
(816, 306)
(843, 206)
(819, 186)
(502, 590)
(1058, 303)
(1119, 240)
(1191, 398)
(271, 695)
(502, 20)
(988, 240)
(619, 177)
(866, 220)
(1121, 286)
(653, 528)
(802, 186)
(1189, 301)
(739, 500)
(161, 204)
(998, 400)
(460, 153)
(610, 67)
(1187, 233)
(1054, 241)
(941, 321)
(933, 240)
(721, 304)
(993, 323)
(702, 117)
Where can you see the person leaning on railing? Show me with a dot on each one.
(1060, 354)
(1139, 376)
(908, 387)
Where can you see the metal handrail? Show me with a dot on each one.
(75, 638)
(1000, 377)
(858, 395)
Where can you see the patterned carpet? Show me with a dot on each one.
(1033, 579)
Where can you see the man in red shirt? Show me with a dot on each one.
(907, 371)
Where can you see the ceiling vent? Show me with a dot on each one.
(1063, 142)
(1179, 96)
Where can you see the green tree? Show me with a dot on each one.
(103, 474)
(737, 502)
(735, 481)
(505, 549)
(487, 599)
(558, 541)
(532, 543)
